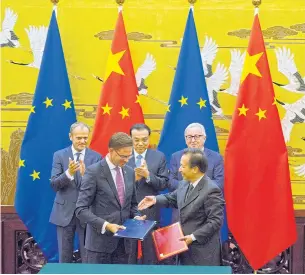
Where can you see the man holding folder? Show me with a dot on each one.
(106, 200)
(200, 204)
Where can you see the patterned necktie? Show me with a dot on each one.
(139, 160)
(77, 173)
(119, 184)
(189, 190)
(77, 156)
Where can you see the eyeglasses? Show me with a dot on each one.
(196, 137)
(122, 156)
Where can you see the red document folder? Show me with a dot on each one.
(166, 240)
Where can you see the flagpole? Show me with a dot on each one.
(256, 4)
(120, 3)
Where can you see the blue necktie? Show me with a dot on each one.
(139, 160)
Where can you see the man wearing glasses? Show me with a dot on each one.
(195, 137)
(106, 200)
(151, 175)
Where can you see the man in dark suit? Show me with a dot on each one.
(69, 166)
(151, 176)
(107, 198)
(195, 137)
(200, 205)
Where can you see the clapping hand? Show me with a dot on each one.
(142, 171)
(82, 167)
(73, 167)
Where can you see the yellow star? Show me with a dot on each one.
(124, 112)
(67, 104)
(21, 163)
(274, 101)
(106, 109)
(243, 110)
(183, 100)
(138, 99)
(261, 113)
(168, 108)
(201, 103)
(48, 102)
(33, 109)
(113, 64)
(250, 66)
(35, 175)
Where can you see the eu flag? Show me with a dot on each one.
(189, 101)
(47, 131)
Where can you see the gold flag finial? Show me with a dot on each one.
(256, 3)
(120, 2)
(192, 2)
(55, 2)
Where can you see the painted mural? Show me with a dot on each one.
(155, 29)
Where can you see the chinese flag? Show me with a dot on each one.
(257, 183)
(119, 106)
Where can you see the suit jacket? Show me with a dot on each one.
(158, 174)
(215, 168)
(66, 190)
(98, 201)
(201, 215)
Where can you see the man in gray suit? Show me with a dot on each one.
(200, 205)
(151, 176)
(69, 165)
(106, 200)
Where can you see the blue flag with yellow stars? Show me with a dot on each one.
(47, 131)
(189, 103)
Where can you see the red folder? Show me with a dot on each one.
(166, 241)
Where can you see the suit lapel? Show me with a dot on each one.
(87, 157)
(147, 156)
(194, 194)
(182, 195)
(110, 181)
(132, 162)
(128, 186)
(69, 153)
(206, 152)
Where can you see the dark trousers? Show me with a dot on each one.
(65, 238)
(118, 256)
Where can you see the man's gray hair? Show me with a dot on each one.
(195, 125)
(78, 124)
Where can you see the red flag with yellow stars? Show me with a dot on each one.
(119, 106)
(257, 182)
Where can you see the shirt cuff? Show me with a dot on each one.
(104, 227)
(193, 237)
(69, 176)
(148, 179)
